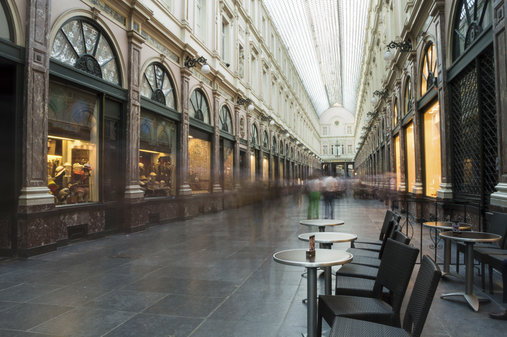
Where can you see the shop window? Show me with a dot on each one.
(225, 120)
(199, 161)
(253, 166)
(255, 136)
(157, 86)
(410, 156)
(228, 164)
(281, 149)
(157, 155)
(472, 18)
(6, 31)
(274, 146)
(81, 44)
(395, 112)
(429, 69)
(408, 97)
(432, 161)
(397, 154)
(113, 177)
(73, 144)
(199, 108)
(265, 169)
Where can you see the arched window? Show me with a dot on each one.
(429, 69)
(82, 44)
(265, 140)
(287, 150)
(255, 135)
(281, 148)
(225, 120)
(408, 97)
(274, 147)
(199, 106)
(395, 112)
(158, 86)
(472, 18)
(6, 31)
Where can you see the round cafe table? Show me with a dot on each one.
(326, 240)
(321, 223)
(469, 238)
(445, 226)
(323, 258)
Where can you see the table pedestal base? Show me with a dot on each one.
(472, 300)
(446, 274)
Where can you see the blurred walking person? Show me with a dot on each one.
(329, 191)
(313, 188)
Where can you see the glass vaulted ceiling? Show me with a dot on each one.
(325, 41)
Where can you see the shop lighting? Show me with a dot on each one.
(403, 46)
(243, 101)
(272, 122)
(192, 62)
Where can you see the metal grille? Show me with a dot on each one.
(474, 130)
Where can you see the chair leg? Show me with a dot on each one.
(319, 324)
(490, 274)
(483, 278)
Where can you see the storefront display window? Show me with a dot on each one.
(432, 160)
(265, 169)
(199, 161)
(73, 143)
(395, 112)
(228, 165)
(408, 97)
(429, 69)
(80, 44)
(265, 141)
(158, 86)
(253, 166)
(397, 158)
(199, 108)
(410, 156)
(157, 155)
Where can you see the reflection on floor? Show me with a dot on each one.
(209, 276)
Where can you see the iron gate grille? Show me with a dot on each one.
(474, 130)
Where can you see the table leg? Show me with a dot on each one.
(447, 259)
(327, 280)
(436, 245)
(322, 228)
(311, 315)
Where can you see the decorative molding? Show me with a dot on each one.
(160, 47)
(109, 11)
(34, 195)
(499, 198)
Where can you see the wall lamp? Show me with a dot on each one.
(403, 46)
(243, 101)
(192, 62)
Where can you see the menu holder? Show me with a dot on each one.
(456, 228)
(311, 252)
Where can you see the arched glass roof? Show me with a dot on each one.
(325, 41)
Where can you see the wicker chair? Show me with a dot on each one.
(394, 274)
(494, 261)
(374, 261)
(376, 253)
(385, 232)
(417, 310)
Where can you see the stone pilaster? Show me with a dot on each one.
(248, 172)
(184, 188)
(132, 189)
(499, 198)
(237, 168)
(215, 167)
(34, 191)
(418, 129)
(445, 190)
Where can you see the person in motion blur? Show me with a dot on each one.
(329, 191)
(313, 189)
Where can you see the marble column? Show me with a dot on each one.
(184, 188)
(499, 198)
(445, 189)
(35, 194)
(132, 189)
(418, 128)
(215, 167)
(237, 168)
(248, 173)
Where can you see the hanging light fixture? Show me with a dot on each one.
(388, 56)
(272, 122)
(192, 62)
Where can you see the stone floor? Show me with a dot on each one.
(209, 276)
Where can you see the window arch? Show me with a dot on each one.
(281, 148)
(82, 44)
(255, 135)
(158, 85)
(471, 19)
(199, 106)
(274, 147)
(6, 30)
(408, 96)
(265, 140)
(287, 150)
(225, 119)
(429, 69)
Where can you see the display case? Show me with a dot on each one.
(432, 160)
(157, 155)
(73, 141)
(199, 161)
(410, 157)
